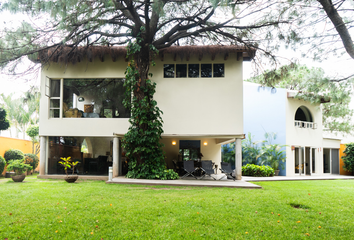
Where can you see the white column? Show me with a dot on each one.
(115, 156)
(43, 156)
(238, 159)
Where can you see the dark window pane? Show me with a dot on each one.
(54, 103)
(168, 70)
(206, 70)
(54, 113)
(219, 70)
(181, 70)
(193, 70)
(55, 88)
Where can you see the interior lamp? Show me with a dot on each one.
(205, 143)
(174, 143)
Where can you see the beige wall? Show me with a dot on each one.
(190, 105)
(303, 137)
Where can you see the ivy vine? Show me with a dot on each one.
(142, 141)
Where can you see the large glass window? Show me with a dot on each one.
(93, 154)
(168, 70)
(206, 71)
(181, 70)
(189, 149)
(88, 98)
(193, 70)
(219, 70)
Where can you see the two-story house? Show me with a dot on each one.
(297, 124)
(199, 90)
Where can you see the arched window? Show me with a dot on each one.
(303, 114)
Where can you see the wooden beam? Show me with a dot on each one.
(213, 57)
(239, 55)
(226, 56)
(175, 57)
(200, 56)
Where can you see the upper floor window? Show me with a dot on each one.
(303, 118)
(87, 98)
(205, 70)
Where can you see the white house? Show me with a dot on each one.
(298, 125)
(199, 90)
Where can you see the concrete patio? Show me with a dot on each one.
(208, 182)
(188, 181)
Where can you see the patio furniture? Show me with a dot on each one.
(227, 170)
(207, 169)
(189, 168)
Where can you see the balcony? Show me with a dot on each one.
(303, 124)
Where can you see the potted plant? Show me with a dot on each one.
(68, 163)
(19, 167)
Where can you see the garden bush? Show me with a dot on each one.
(257, 171)
(32, 160)
(2, 164)
(13, 154)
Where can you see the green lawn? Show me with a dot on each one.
(54, 209)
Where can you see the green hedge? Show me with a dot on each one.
(257, 171)
(2, 164)
(13, 154)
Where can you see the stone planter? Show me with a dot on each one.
(276, 172)
(9, 174)
(18, 178)
(71, 178)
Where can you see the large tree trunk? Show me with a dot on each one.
(340, 26)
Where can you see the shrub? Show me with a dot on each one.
(13, 154)
(348, 158)
(2, 164)
(18, 166)
(32, 160)
(257, 171)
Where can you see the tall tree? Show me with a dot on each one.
(4, 122)
(313, 86)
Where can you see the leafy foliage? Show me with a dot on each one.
(13, 154)
(18, 166)
(142, 141)
(348, 158)
(250, 150)
(228, 154)
(2, 164)
(32, 160)
(33, 132)
(257, 171)
(67, 163)
(271, 154)
(313, 86)
(4, 122)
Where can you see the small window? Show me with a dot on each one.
(218, 70)
(181, 70)
(54, 100)
(168, 70)
(206, 71)
(303, 114)
(193, 70)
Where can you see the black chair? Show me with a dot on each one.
(207, 169)
(189, 168)
(227, 170)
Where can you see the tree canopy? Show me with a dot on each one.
(4, 122)
(313, 86)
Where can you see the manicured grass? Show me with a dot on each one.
(54, 209)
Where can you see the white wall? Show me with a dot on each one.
(303, 137)
(201, 105)
(190, 105)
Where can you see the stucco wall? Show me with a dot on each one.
(190, 105)
(298, 137)
(264, 112)
(341, 164)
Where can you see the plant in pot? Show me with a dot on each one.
(67, 163)
(19, 167)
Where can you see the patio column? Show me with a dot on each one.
(43, 156)
(115, 156)
(238, 159)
